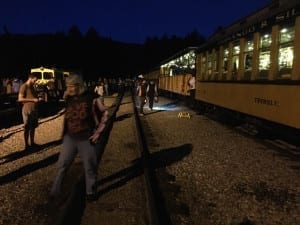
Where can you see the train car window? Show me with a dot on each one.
(203, 66)
(235, 59)
(38, 75)
(192, 60)
(216, 65)
(164, 70)
(48, 75)
(225, 63)
(248, 54)
(182, 63)
(264, 56)
(209, 66)
(286, 52)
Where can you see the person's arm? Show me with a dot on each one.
(103, 118)
(101, 124)
(155, 90)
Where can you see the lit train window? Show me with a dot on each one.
(209, 65)
(286, 52)
(264, 55)
(203, 66)
(192, 59)
(248, 54)
(235, 59)
(225, 64)
(216, 64)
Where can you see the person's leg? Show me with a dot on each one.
(140, 103)
(192, 103)
(66, 157)
(26, 137)
(151, 100)
(31, 134)
(143, 102)
(88, 154)
(26, 128)
(32, 124)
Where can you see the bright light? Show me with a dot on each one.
(172, 106)
(167, 108)
(284, 30)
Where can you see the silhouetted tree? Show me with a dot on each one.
(5, 30)
(92, 35)
(194, 39)
(91, 54)
(75, 33)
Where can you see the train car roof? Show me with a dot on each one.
(275, 12)
(180, 53)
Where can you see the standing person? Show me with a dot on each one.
(84, 122)
(15, 85)
(192, 90)
(9, 89)
(141, 93)
(151, 93)
(29, 98)
(99, 90)
(106, 89)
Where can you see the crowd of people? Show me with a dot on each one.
(146, 91)
(84, 119)
(10, 85)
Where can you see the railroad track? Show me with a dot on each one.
(17, 165)
(142, 169)
(277, 142)
(186, 169)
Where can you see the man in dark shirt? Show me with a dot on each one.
(141, 93)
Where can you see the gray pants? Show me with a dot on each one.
(88, 154)
(141, 100)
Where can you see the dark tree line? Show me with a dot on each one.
(91, 54)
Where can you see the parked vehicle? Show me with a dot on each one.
(50, 82)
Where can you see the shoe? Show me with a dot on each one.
(91, 197)
(141, 114)
(27, 148)
(34, 146)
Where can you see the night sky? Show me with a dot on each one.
(130, 21)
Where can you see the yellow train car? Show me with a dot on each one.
(175, 84)
(173, 74)
(253, 66)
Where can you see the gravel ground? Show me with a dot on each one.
(122, 190)
(209, 174)
(222, 176)
(26, 176)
